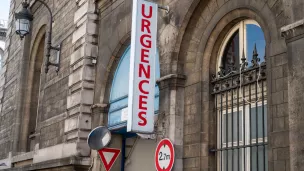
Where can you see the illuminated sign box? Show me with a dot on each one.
(142, 67)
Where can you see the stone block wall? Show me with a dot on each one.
(54, 86)
(278, 113)
(99, 31)
(8, 87)
(51, 135)
(53, 90)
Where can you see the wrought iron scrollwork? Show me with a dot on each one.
(232, 78)
(244, 63)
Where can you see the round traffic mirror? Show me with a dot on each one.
(99, 138)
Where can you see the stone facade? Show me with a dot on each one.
(44, 126)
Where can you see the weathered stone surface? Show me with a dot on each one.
(188, 40)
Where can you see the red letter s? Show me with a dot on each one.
(142, 118)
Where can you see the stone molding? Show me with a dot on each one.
(100, 108)
(293, 31)
(171, 80)
(76, 162)
(63, 155)
(23, 157)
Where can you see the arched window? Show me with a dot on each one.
(119, 92)
(239, 44)
(241, 100)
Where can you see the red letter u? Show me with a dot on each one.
(143, 11)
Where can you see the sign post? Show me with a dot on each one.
(142, 67)
(164, 155)
(98, 139)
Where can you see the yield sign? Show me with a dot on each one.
(108, 156)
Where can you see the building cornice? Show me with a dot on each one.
(171, 80)
(293, 31)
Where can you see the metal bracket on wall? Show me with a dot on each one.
(167, 8)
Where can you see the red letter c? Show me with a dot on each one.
(141, 86)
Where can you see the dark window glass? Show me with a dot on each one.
(231, 54)
(235, 129)
(237, 156)
(257, 115)
(262, 157)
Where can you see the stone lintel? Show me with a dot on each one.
(171, 80)
(23, 157)
(60, 151)
(100, 108)
(77, 162)
(293, 31)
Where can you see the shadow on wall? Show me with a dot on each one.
(143, 152)
(1, 54)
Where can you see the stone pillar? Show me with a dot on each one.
(171, 114)
(11, 146)
(100, 112)
(294, 35)
(82, 76)
(15, 136)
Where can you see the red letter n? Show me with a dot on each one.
(144, 71)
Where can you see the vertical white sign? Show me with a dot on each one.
(142, 67)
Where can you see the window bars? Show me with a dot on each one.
(240, 105)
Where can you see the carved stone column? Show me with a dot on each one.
(294, 35)
(171, 114)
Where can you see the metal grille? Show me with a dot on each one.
(240, 104)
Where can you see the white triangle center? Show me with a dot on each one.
(108, 156)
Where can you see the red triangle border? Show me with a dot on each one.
(109, 165)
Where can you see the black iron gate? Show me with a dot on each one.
(240, 105)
